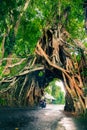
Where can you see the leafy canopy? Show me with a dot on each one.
(38, 15)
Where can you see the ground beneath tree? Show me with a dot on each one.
(50, 118)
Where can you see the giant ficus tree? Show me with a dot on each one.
(55, 30)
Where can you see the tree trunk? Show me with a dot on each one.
(69, 104)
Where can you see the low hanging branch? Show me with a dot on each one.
(31, 70)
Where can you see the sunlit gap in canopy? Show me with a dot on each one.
(55, 92)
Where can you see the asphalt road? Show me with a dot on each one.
(50, 118)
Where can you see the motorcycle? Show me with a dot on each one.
(43, 104)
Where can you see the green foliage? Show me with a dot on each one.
(75, 24)
(3, 102)
(56, 92)
(48, 89)
(84, 72)
(39, 15)
(10, 42)
(1, 70)
(26, 39)
(41, 73)
(85, 44)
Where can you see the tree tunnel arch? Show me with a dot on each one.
(56, 53)
(54, 58)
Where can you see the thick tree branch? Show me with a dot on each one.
(31, 70)
(50, 63)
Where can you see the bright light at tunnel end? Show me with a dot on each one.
(60, 84)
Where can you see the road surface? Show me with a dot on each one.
(50, 118)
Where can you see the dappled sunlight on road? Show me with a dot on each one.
(66, 123)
